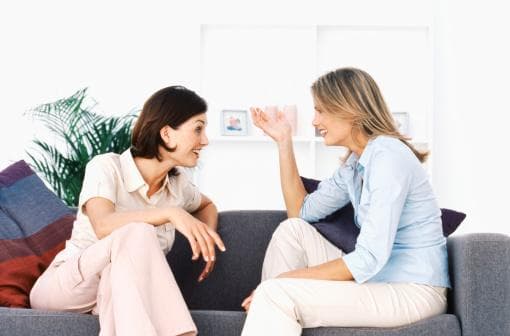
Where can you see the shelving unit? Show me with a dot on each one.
(259, 65)
(256, 138)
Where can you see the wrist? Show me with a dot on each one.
(172, 213)
(285, 143)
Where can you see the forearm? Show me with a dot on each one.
(292, 187)
(331, 270)
(107, 224)
(209, 215)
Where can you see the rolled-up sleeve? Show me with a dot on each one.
(99, 180)
(387, 185)
(190, 194)
(330, 196)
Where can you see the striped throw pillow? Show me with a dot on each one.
(34, 225)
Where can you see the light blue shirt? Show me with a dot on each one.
(401, 236)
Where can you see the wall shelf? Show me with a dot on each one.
(254, 138)
(242, 172)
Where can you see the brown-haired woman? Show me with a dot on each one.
(398, 272)
(130, 206)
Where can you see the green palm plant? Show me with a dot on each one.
(80, 135)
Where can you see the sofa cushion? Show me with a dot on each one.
(340, 230)
(34, 224)
(246, 235)
(440, 325)
(23, 322)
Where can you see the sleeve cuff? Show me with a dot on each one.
(355, 264)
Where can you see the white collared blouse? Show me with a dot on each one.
(116, 178)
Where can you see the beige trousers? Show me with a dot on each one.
(285, 306)
(125, 279)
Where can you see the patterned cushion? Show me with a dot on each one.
(340, 230)
(34, 224)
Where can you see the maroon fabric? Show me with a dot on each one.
(38, 243)
(19, 275)
(14, 173)
(34, 225)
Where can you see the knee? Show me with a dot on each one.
(290, 227)
(138, 231)
(273, 292)
(268, 286)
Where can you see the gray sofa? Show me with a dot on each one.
(479, 303)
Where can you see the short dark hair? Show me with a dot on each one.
(170, 106)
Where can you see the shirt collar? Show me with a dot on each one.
(130, 173)
(359, 163)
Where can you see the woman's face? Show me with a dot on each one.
(189, 139)
(335, 130)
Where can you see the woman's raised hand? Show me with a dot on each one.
(201, 237)
(277, 127)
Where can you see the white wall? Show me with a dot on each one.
(122, 51)
(471, 170)
(126, 50)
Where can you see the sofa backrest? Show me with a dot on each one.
(237, 272)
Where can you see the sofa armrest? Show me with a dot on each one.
(480, 275)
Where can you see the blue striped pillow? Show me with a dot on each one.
(34, 225)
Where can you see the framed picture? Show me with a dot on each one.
(234, 122)
(402, 120)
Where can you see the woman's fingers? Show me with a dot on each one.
(259, 117)
(201, 242)
(216, 237)
(247, 302)
(256, 118)
(209, 242)
(209, 266)
(194, 246)
(210, 238)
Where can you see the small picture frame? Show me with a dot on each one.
(402, 121)
(234, 122)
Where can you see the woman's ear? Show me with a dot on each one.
(166, 135)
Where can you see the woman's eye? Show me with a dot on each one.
(198, 129)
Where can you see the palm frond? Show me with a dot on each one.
(81, 134)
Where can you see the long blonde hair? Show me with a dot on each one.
(353, 94)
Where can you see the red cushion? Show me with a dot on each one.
(34, 225)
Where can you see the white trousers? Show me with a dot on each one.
(125, 279)
(285, 306)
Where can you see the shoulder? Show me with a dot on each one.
(389, 151)
(105, 160)
(182, 180)
(390, 161)
(105, 163)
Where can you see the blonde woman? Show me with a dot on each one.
(398, 272)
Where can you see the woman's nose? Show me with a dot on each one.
(205, 140)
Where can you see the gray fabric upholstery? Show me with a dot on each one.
(210, 323)
(445, 325)
(479, 269)
(480, 274)
(25, 322)
(217, 322)
(246, 235)
(29, 322)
